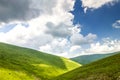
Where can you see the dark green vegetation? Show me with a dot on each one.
(86, 59)
(17, 63)
(104, 69)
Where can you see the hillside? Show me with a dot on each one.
(86, 59)
(17, 63)
(105, 69)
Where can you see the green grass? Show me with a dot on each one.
(104, 69)
(17, 63)
(86, 59)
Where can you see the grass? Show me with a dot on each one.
(104, 69)
(17, 63)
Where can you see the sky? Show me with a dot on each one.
(65, 28)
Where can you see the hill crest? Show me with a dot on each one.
(18, 63)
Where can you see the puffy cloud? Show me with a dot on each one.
(79, 39)
(57, 46)
(116, 24)
(61, 47)
(55, 12)
(108, 46)
(61, 30)
(95, 4)
(24, 10)
(49, 28)
(46, 48)
(68, 48)
(2, 25)
(75, 48)
(25, 36)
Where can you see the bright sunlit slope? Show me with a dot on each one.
(17, 63)
(104, 69)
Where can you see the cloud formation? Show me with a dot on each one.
(116, 24)
(95, 4)
(108, 46)
(24, 10)
(78, 39)
(11, 10)
(69, 47)
(61, 30)
(49, 27)
(55, 15)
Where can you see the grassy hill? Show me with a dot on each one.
(17, 63)
(86, 59)
(105, 69)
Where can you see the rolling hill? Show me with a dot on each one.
(104, 69)
(86, 59)
(18, 63)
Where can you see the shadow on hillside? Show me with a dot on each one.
(23, 55)
(9, 59)
(22, 59)
(24, 63)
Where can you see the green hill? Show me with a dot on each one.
(86, 59)
(105, 69)
(17, 63)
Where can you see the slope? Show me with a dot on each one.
(17, 63)
(105, 69)
(86, 59)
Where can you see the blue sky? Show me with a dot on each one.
(98, 21)
(66, 28)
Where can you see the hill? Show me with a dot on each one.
(17, 63)
(86, 59)
(105, 69)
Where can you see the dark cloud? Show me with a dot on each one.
(60, 30)
(12, 10)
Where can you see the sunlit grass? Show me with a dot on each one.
(17, 63)
(7, 74)
(105, 69)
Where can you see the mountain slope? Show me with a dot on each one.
(86, 59)
(17, 63)
(105, 69)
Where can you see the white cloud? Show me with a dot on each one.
(57, 46)
(1, 24)
(52, 31)
(35, 36)
(55, 11)
(68, 48)
(46, 48)
(61, 47)
(25, 36)
(95, 4)
(108, 46)
(73, 48)
(116, 24)
(78, 39)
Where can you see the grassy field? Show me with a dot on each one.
(86, 59)
(105, 69)
(17, 63)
